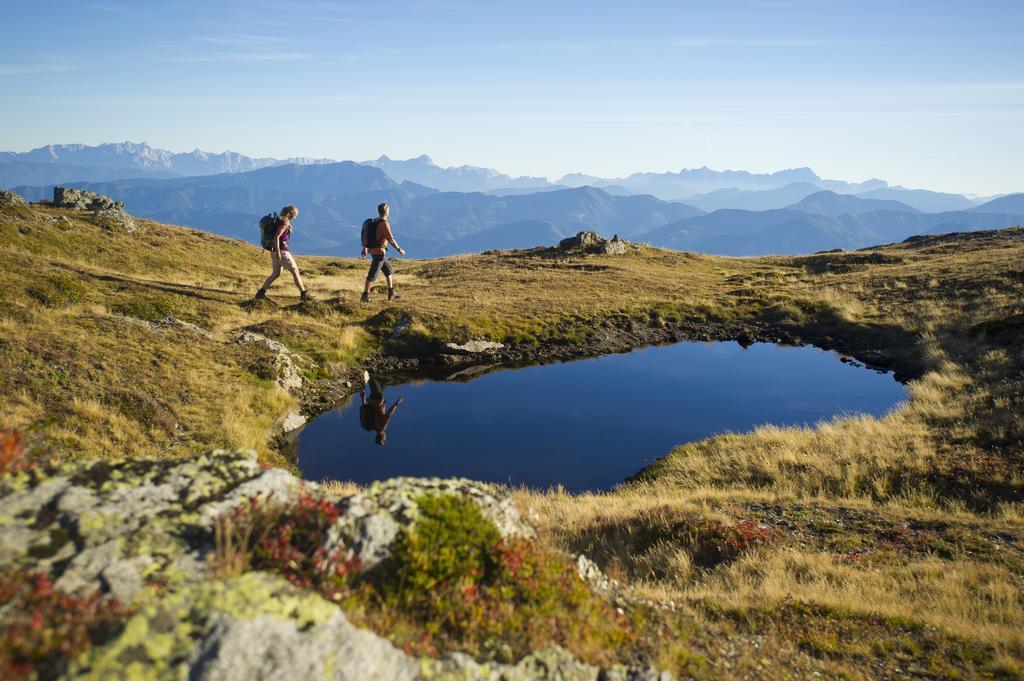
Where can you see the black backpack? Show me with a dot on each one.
(268, 228)
(369, 234)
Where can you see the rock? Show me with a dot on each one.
(8, 198)
(274, 483)
(614, 247)
(293, 421)
(188, 326)
(475, 346)
(101, 206)
(334, 650)
(582, 240)
(80, 199)
(400, 327)
(288, 376)
(251, 337)
(371, 520)
(122, 526)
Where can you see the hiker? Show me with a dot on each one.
(372, 415)
(279, 254)
(377, 246)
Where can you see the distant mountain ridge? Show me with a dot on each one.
(139, 156)
(423, 170)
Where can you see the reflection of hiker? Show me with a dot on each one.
(372, 415)
(376, 237)
(275, 239)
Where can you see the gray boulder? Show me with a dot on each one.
(582, 240)
(592, 242)
(101, 206)
(372, 519)
(8, 198)
(286, 373)
(475, 346)
(614, 247)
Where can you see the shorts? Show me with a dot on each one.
(379, 263)
(286, 260)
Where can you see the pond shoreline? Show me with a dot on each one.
(881, 349)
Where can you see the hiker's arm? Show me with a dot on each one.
(391, 412)
(389, 235)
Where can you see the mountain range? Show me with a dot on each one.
(440, 211)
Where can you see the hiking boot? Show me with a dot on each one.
(261, 294)
(365, 298)
(392, 295)
(305, 297)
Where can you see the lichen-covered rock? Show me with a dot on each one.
(475, 346)
(107, 525)
(140, 532)
(8, 198)
(81, 199)
(614, 247)
(372, 519)
(582, 240)
(592, 242)
(287, 374)
(102, 206)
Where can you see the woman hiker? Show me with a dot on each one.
(280, 256)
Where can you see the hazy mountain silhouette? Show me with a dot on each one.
(744, 199)
(833, 205)
(423, 170)
(1012, 203)
(921, 199)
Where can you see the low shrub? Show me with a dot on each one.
(150, 308)
(455, 584)
(286, 539)
(44, 628)
(13, 455)
(56, 290)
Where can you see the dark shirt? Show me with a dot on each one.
(284, 237)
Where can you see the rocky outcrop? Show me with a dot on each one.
(373, 518)
(474, 347)
(141, 532)
(286, 374)
(11, 199)
(99, 205)
(592, 242)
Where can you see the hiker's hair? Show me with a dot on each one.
(289, 212)
(381, 207)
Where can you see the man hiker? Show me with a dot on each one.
(279, 232)
(372, 414)
(377, 247)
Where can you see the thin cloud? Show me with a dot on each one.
(240, 57)
(36, 69)
(240, 39)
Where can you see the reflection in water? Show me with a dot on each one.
(372, 413)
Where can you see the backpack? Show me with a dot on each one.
(369, 233)
(268, 227)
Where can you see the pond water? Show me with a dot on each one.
(586, 424)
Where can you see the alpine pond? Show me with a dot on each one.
(586, 424)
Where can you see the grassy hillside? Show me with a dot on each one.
(867, 548)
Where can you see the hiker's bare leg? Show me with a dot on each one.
(366, 288)
(391, 283)
(298, 279)
(273, 275)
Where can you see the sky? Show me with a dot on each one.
(925, 94)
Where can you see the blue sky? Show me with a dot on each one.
(923, 94)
